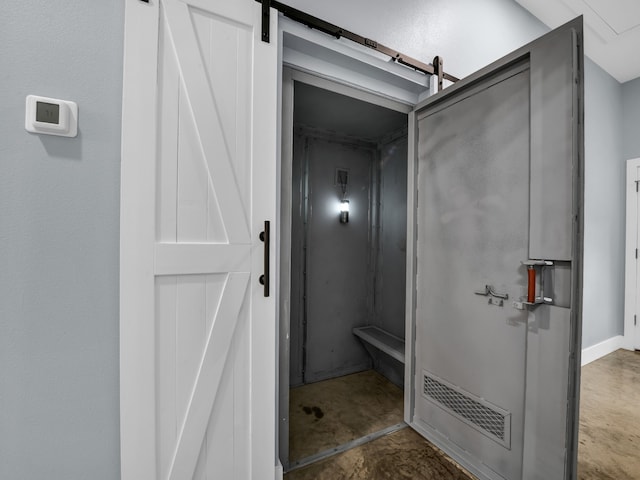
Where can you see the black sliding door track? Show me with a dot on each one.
(435, 68)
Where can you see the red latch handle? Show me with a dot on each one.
(531, 292)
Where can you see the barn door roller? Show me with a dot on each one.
(435, 69)
(266, 8)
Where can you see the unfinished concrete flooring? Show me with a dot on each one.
(400, 455)
(610, 418)
(609, 428)
(328, 414)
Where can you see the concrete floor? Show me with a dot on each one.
(609, 429)
(328, 414)
(403, 455)
(610, 418)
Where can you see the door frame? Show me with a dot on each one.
(291, 74)
(630, 260)
(313, 67)
(137, 230)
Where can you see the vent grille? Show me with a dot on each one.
(488, 419)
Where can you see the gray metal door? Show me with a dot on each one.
(497, 263)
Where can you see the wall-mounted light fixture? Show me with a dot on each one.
(344, 211)
(342, 179)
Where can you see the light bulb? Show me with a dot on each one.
(344, 211)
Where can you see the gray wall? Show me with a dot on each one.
(59, 202)
(338, 256)
(390, 279)
(631, 119)
(603, 302)
(392, 249)
(341, 259)
(296, 308)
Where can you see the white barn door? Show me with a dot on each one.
(198, 344)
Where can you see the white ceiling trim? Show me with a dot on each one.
(612, 30)
(620, 15)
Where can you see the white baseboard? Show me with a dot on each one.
(279, 471)
(601, 349)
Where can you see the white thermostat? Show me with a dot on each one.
(51, 116)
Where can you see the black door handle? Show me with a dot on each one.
(264, 237)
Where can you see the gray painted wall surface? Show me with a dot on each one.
(341, 259)
(59, 203)
(339, 268)
(390, 265)
(296, 333)
(390, 280)
(329, 126)
(631, 119)
(603, 302)
(338, 258)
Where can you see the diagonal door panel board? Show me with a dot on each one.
(208, 379)
(204, 109)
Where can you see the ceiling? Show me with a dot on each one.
(319, 108)
(612, 30)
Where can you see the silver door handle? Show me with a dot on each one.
(493, 293)
(484, 292)
(488, 290)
